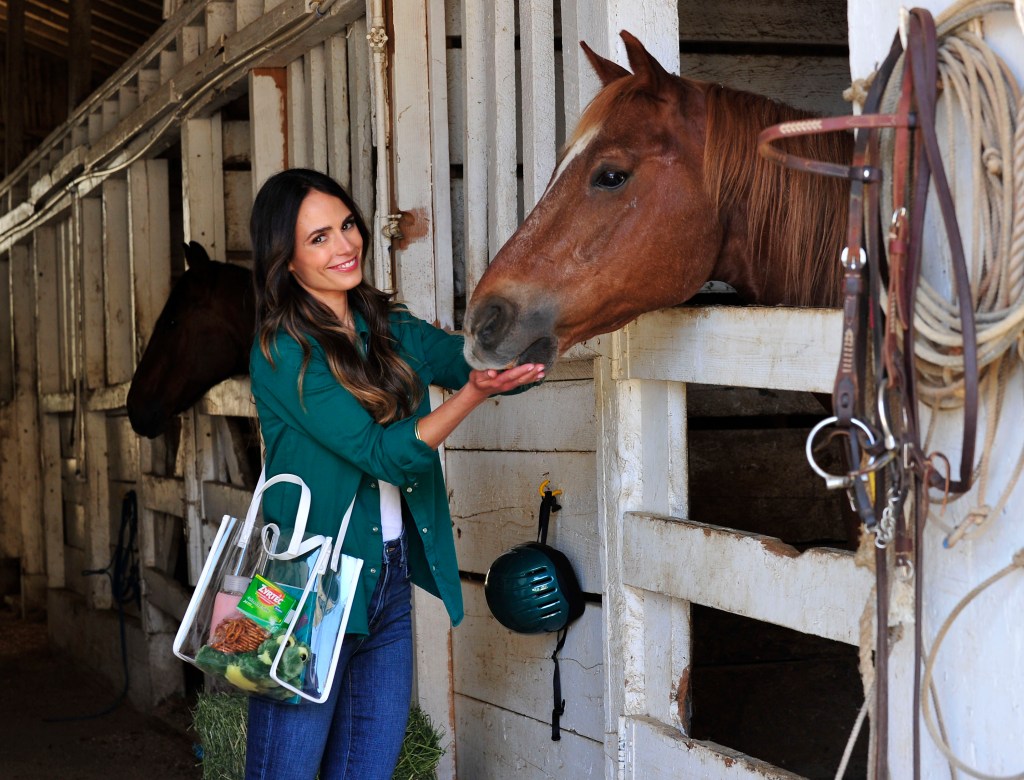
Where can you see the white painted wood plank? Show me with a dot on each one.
(163, 494)
(149, 81)
(495, 506)
(191, 452)
(411, 160)
(779, 348)
(663, 660)
(127, 100)
(150, 246)
(97, 505)
(120, 330)
(315, 114)
(246, 12)
(44, 255)
(231, 398)
(68, 305)
(702, 563)
(220, 499)
(476, 143)
(494, 664)
(165, 592)
(444, 271)
(91, 230)
(361, 123)
(434, 688)
(555, 416)
(536, 33)
(656, 24)
(336, 109)
(295, 115)
(502, 186)
(267, 99)
(27, 479)
(108, 398)
(494, 744)
(202, 161)
(52, 500)
(653, 751)
(220, 22)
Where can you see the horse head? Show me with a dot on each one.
(658, 190)
(202, 337)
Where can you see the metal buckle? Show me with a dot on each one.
(844, 259)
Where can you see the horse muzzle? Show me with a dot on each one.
(501, 333)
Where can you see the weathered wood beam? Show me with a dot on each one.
(14, 118)
(79, 52)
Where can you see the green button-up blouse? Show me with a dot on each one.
(328, 439)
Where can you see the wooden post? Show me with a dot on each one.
(120, 331)
(42, 565)
(14, 85)
(268, 118)
(202, 178)
(411, 159)
(79, 52)
(47, 380)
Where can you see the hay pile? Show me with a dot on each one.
(219, 719)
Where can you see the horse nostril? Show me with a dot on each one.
(493, 322)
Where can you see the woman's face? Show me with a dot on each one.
(328, 250)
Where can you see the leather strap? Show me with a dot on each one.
(883, 252)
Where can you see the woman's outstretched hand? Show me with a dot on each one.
(491, 381)
(436, 426)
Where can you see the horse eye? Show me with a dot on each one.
(610, 180)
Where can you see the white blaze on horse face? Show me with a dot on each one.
(579, 145)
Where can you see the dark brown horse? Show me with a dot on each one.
(201, 337)
(659, 190)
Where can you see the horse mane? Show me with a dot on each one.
(794, 219)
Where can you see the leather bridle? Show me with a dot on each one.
(874, 400)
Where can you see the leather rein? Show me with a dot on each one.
(875, 410)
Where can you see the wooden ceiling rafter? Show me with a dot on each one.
(118, 28)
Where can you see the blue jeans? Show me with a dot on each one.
(357, 733)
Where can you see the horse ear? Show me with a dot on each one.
(606, 70)
(642, 61)
(196, 255)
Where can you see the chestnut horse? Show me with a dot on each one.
(202, 337)
(659, 189)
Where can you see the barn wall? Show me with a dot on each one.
(169, 153)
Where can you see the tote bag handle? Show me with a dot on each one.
(296, 546)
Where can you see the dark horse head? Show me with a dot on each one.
(659, 190)
(201, 337)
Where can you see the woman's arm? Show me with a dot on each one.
(439, 424)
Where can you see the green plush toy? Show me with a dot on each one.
(251, 671)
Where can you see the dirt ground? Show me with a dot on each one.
(39, 688)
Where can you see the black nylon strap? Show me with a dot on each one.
(559, 708)
(548, 504)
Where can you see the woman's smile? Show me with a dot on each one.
(327, 260)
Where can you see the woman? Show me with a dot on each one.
(339, 375)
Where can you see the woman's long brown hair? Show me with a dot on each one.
(381, 381)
